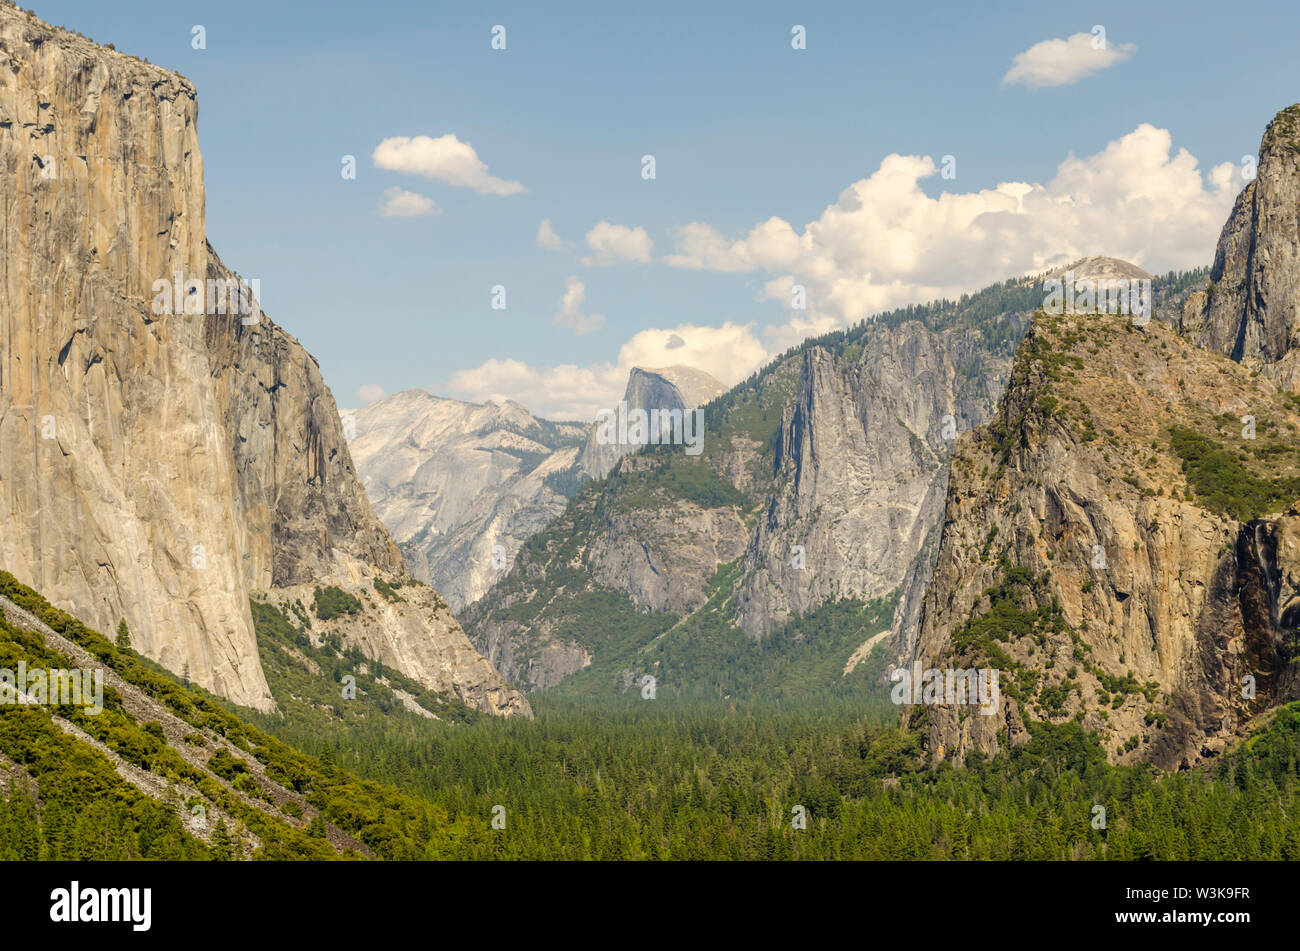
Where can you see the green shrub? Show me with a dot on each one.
(332, 602)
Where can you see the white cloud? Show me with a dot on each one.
(730, 352)
(445, 159)
(613, 243)
(399, 203)
(559, 392)
(570, 313)
(885, 243)
(547, 239)
(1061, 62)
(369, 392)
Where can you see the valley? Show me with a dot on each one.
(705, 597)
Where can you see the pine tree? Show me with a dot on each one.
(123, 636)
(223, 844)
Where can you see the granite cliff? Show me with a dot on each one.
(461, 485)
(161, 463)
(1121, 542)
(1120, 546)
(1251, 309)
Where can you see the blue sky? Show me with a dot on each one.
(744, 129)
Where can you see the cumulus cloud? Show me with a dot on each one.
(1062, 62)
(445, 159)
(567, 391)
(369, 392)
(730, 352)
(547, 239)
(885, 243)
(570, 313)
(614, 243)
(399, 203)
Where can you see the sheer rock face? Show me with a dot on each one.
(670, 388)
(1076, 486)
(302, 506)
(854, 473)
(159, 468)
(1193, 604)
(462, 486)
(663, 557)
(1251, 311)
(453, 481)
(861, 471)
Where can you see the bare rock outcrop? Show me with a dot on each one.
(1251, 310)
(462, 485)
(679, 388)
(1118, 546)
(160, 466)
(861, 469)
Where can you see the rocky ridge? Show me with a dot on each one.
(1108, 545)
(1122, 540)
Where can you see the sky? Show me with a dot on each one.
(803, 179)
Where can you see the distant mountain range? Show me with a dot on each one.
(817, 500)
(463, 485)
(1105, 509)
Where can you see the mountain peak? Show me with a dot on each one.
(696, 386)
(1100, 267)
(1251, 309)
(1283, 130)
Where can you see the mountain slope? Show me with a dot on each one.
(161, 463)
(1117, 549)
(453, 480)
(183, 769)
(783, 464)
(461, 485)
(1123, 541)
